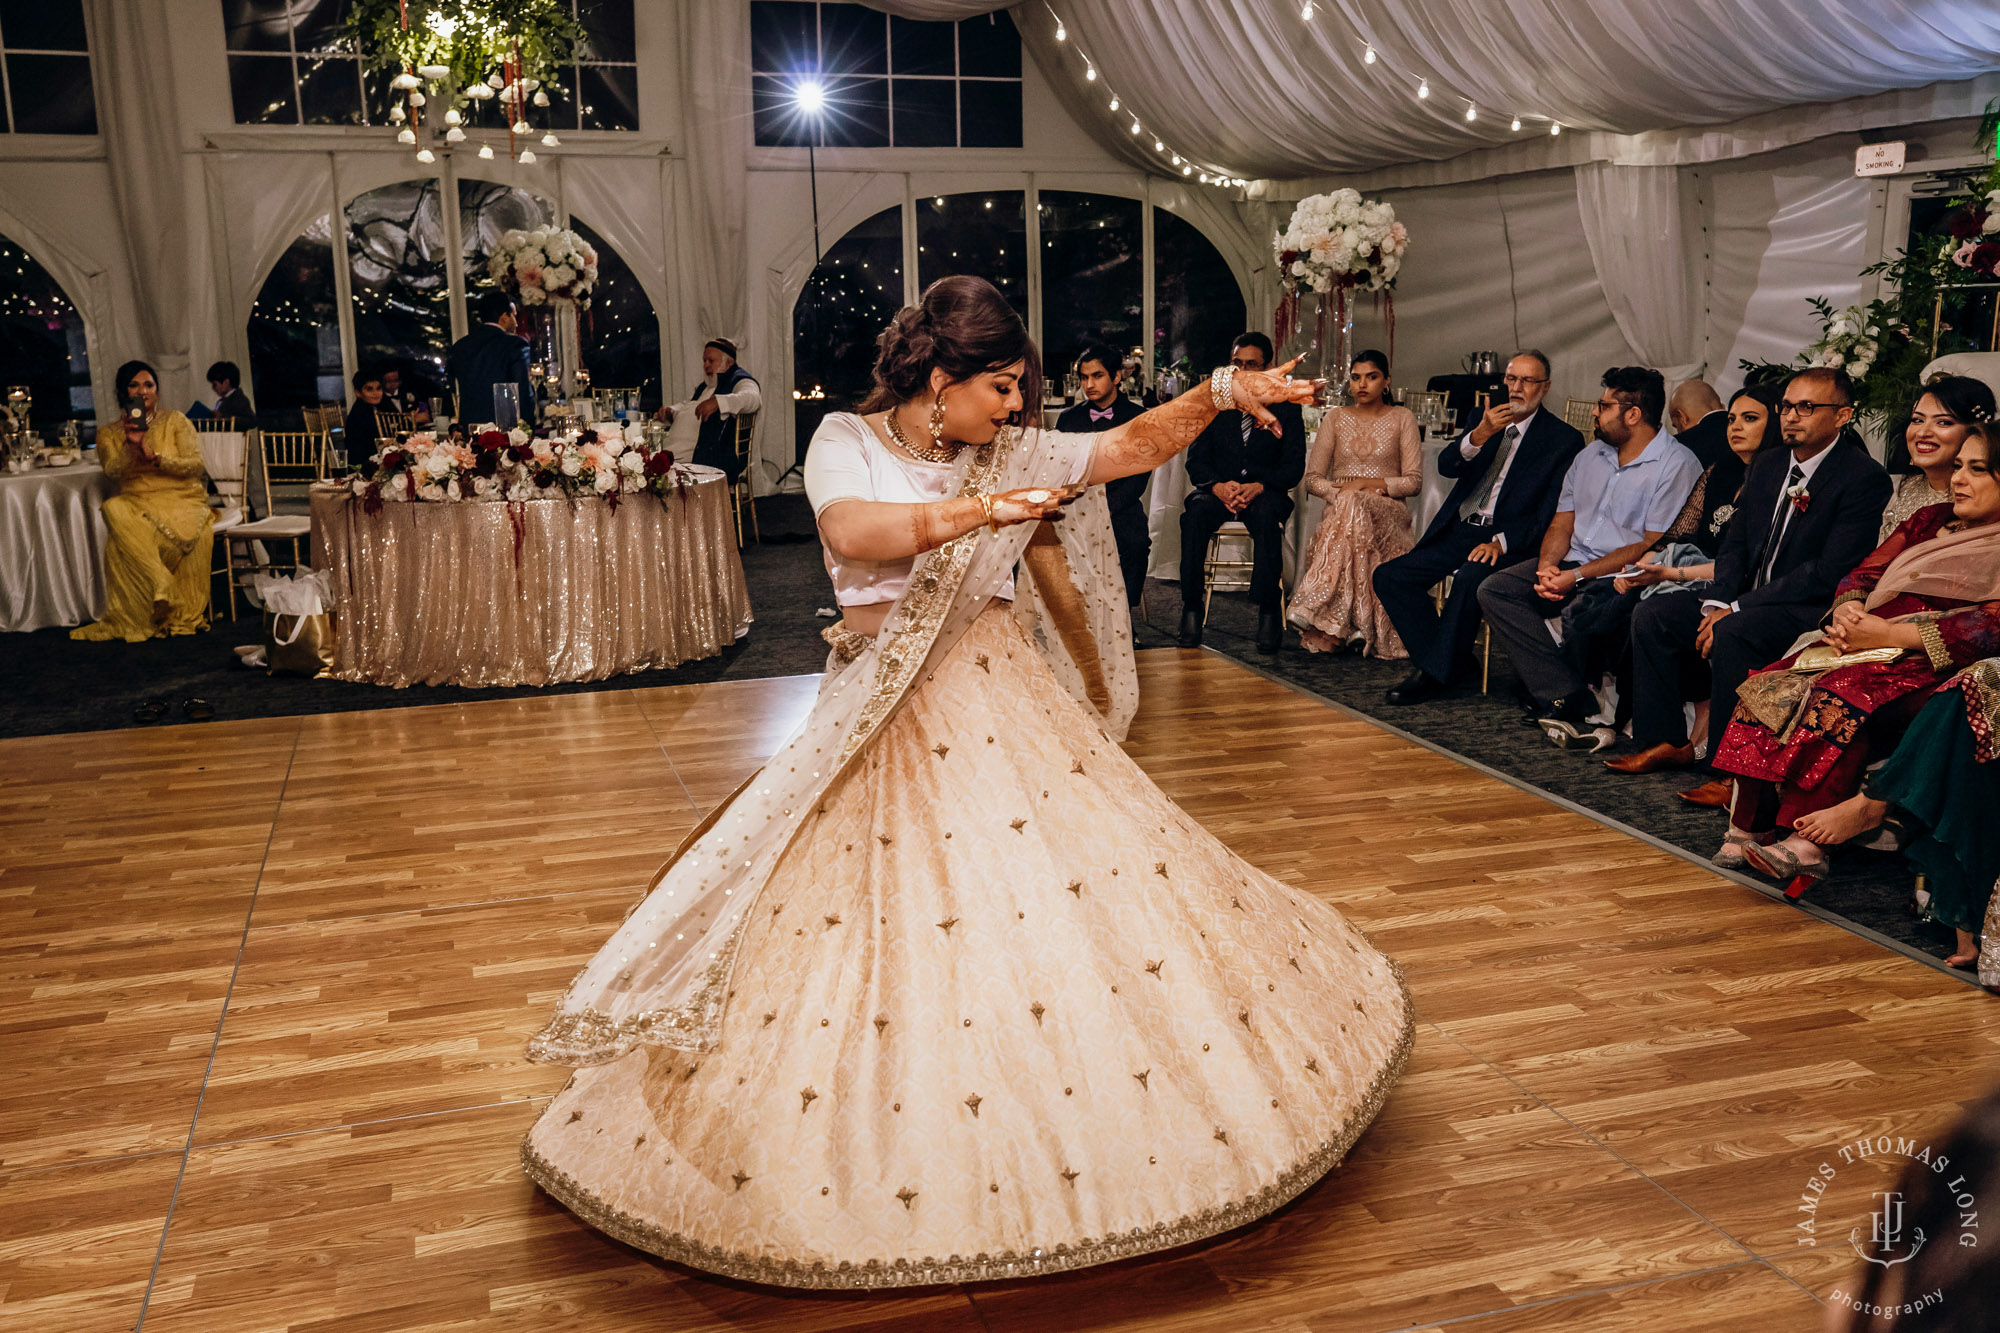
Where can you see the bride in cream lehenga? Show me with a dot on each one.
(950, 991)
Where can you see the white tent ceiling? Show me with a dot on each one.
(1253, 89)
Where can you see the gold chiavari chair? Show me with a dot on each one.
(740, 493)
(289, 458)
(213, 425)
(1582, 414)
(393, 425)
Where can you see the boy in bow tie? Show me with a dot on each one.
(1101, 371)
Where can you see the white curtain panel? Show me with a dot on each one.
(709, 236)
(1254, 90)
(1634, 220)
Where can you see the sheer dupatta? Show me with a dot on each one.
(663, 978)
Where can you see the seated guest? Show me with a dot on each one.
(725, 393)
(364, 433)
(1684, 563)
(1946, 408)
(230, 401)
(1100, 371)
(493, 353)
(1698, 421)
(1806, 518)
(1501, 504)
(1619, 497)
(1364, 460)
(156, 558)
(1938, 791)
(396, 399)
(1245, 475)
(1799, 742)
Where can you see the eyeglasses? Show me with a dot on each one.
(1247, 362)
(1790, 409)
(1515, 381)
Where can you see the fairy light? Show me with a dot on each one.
(1555, 127)
(1114, 101)
(1368, 56)
(1090, 73)
(1423, 89)
(1306, 11)
(1471, 112)
(1516, 126)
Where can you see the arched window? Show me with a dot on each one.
(1197, 306)
(1093, 275)
(620, 333)
(41, 339)
(839, 315)
(983, 234)
(295, 331)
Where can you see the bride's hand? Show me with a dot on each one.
(1254, 388)
(1031, 504)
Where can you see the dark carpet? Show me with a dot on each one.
(1869, 889)
(56, 686)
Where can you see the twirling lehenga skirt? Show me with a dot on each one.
(1002, 1009)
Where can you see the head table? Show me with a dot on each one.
(52, 546)
(534, 592)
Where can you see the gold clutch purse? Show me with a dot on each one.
(1822, 657)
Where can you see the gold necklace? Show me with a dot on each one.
(939, 452)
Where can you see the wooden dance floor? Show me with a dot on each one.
(266, 986)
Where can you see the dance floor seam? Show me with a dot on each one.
(1625, 1064)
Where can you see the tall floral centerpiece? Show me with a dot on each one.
(550, 272)
(1338, 243)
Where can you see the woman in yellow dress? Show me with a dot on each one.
(162, 531)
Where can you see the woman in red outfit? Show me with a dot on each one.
(1799, 746)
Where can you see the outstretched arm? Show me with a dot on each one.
(878, 530)
(1148, 440)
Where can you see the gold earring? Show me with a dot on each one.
(937, 420)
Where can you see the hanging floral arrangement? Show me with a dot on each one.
(466, 39)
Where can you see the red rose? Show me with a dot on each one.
(1966, 223)
(492, 439)
(659, 464)
(1986, 257)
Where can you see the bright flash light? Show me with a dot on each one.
(811, 96)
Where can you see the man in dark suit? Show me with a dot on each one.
(491, 354)
(1807, 515)
(1101, 371)
(1485, 519)
(1244, 474)
(1698, 421)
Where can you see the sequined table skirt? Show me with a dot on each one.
(529, 594)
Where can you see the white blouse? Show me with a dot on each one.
(848, 461)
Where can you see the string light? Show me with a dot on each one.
(1516, 126)
(1306, 11)
(1114, 101)
(1471, 112)
(1555, 127)
(1062, 33)
(1423, 89)
(1090, 73)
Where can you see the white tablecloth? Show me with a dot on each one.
(52, 546)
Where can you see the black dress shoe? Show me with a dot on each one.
(1190, 636)
(1415, 688)
(1270, 631)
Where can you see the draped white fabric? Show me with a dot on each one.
(710, 209)
(1255, 91)
(142, 140)
(1634, 218)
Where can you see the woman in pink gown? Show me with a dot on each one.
(1364, 462)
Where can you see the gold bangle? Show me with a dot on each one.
(986, 507)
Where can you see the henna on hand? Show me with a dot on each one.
(1150, 439)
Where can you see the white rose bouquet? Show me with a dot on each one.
(1336, 243)
(546, 266)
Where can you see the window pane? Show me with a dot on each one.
(857, 114)
(926, 113)
(784, 37)
(607, 26)
(41, 339)
(621, 332)
(256, 25)
(1197, 306)
(840, 313)
(853, 40)
(261, 88)
(989, 115)
(922, 48)
(1092, 283)
(610, 96)
(43, 25)
(559, 114)
(294, 333)
(316, 23)
(775, 115)
(984, 234)
(989, 46)
(330, 90)
(52, 94)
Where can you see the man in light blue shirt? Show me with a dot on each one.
(1619, 497)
